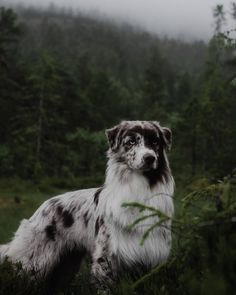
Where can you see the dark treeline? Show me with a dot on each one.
(64, 78)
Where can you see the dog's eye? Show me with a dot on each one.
(131, 141)
(155, 141)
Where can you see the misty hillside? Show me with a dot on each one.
(78, 75)
(119, 48)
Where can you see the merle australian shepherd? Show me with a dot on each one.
(52, 243)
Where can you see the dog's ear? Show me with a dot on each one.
(111, 136)
(166, 134)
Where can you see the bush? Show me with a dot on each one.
(203, 256)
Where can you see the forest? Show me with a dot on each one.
(65, 77)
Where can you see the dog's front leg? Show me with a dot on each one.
(103, 271)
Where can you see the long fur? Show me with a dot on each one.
(53, 241)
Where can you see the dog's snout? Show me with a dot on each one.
(148, 159)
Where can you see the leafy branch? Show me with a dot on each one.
(162, 218)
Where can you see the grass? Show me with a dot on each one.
(18, 200)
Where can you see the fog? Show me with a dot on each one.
(175, 18)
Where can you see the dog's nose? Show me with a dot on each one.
(148, 159)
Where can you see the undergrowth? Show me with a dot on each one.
(202, 261)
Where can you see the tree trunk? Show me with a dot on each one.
(194, 152)
(39, 132)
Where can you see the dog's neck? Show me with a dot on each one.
(117, 172)
(123, 185)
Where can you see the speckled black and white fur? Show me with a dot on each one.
(52, 242)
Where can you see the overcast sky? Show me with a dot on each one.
(179, 18)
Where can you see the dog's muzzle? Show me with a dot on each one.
(149, 162)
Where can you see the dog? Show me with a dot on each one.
(52, 243)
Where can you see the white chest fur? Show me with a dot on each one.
(126, 244)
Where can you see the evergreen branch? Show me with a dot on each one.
(151, 273)
(143, 207)
(140, 206)
(141, 219)
(151, 228)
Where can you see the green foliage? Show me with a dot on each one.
(9, 74)
(203, 255)
(13, 280)
(219, 15)
(82, 147)
(9, 32)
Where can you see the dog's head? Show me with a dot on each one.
(139, 144)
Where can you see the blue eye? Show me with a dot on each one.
(131, 141)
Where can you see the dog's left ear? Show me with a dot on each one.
(111, 136)
(166, 133)
(167, 136)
